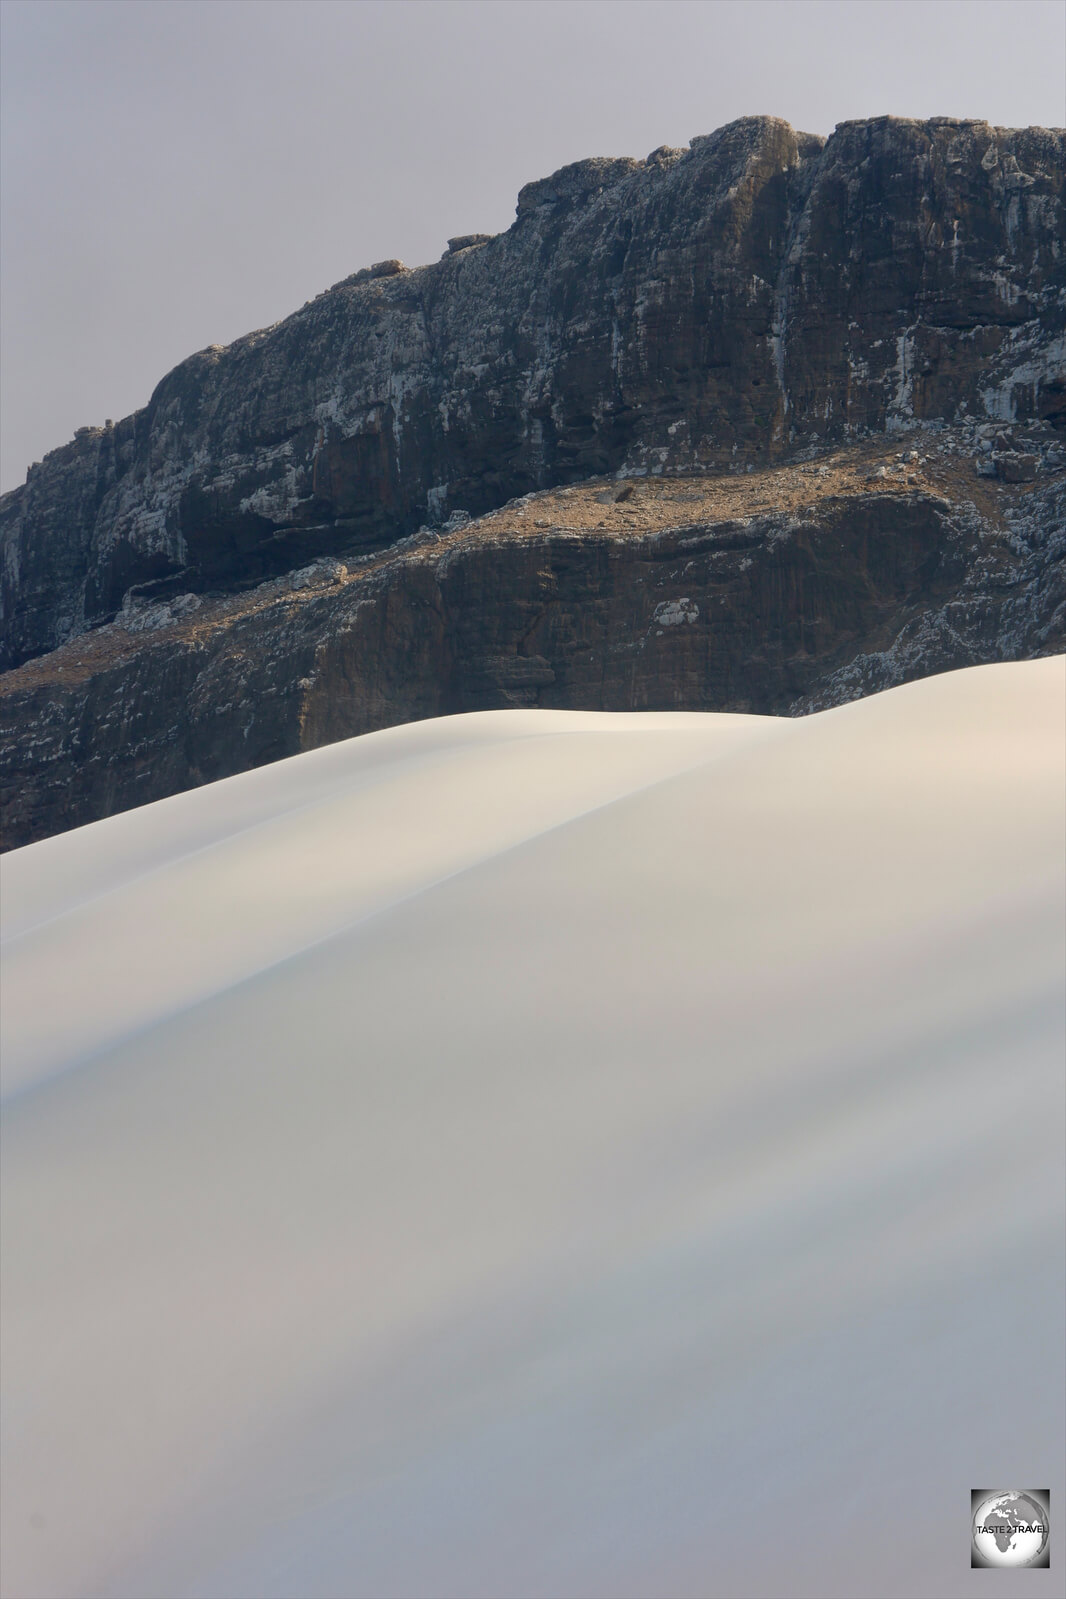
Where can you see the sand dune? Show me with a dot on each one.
(545, 1154)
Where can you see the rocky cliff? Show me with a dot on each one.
(277, 551)
(759, 291)
(782, 590)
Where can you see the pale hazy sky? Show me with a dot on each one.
(177, 172)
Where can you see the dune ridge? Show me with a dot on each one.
(545, 1153)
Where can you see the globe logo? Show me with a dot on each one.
(1010, 1529)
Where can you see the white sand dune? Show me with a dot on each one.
(540, 1153)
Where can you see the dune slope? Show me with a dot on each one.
(543, 1153)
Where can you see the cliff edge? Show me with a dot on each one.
(761, 291)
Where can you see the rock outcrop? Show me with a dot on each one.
(782, 590)
(761, 292)
(765, 424)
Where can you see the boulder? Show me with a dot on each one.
(1014, 467)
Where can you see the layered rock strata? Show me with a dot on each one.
(762, 292)
(781, 590)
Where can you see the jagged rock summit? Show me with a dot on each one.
(760, 299)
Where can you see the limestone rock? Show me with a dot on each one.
(468, 241)
(762, 293)
(1014, 467)
(761, 425)
(778, 592)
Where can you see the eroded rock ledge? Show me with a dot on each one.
(781, 590)
(761, 292)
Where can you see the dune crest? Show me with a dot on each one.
(544, 1153)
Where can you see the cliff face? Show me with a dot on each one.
(757, 294)
(783, 590)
